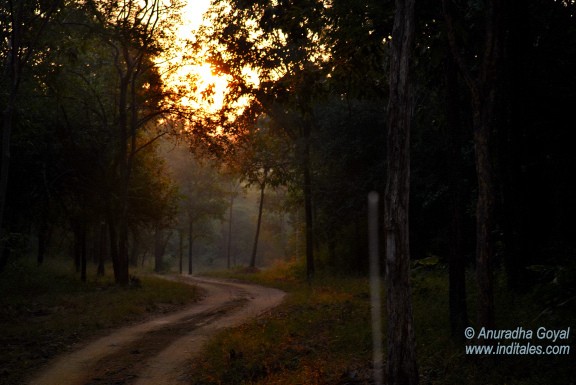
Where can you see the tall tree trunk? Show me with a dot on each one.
(484, 95)
(258, 223)
(401, 363)
(7, 118)
(80, 240)
(113, 238)
(520, 235)
(122, 275)
(484, 221)
(457, 262)
(14, 71)
(7, 125)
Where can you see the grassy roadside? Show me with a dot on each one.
(321, 335)
(312, 338)
(45, 311)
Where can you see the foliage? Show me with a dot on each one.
(85, 142)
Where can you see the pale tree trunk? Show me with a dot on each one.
(401, 363)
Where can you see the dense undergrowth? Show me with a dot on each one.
(47, 310)
(321, 335)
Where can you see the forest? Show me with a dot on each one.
(118, 159)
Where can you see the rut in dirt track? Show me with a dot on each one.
(156, 352)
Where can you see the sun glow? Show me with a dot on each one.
(207, 89)
(190, 78)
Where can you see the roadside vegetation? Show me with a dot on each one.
(321, 335)
(45, 311)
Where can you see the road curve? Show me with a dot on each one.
(156, 352)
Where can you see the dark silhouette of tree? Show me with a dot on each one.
(23, 23)
(401, 363)
(485, 90)
(69, 140)
(133, 32)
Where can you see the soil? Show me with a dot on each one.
(156, 352)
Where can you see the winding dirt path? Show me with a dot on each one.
(155, 352)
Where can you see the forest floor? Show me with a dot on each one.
(157, 351)
(321, 334)
(318, 335)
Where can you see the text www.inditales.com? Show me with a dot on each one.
(518, 341)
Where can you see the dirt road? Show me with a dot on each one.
(155, 352)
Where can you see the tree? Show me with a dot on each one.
(203, 196)
(484, 89)
(534, 143)
(134, 33)
(234, 186)
(272, 41)
(264, 159)
(401, 364)
(350, 134)
(67, 144)
(154, 200)
(61, 142)
(24, 22)
(457, 263)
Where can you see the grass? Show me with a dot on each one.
(312, 338)
(46, 310)
(321, 335)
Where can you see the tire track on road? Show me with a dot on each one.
(156, 352)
